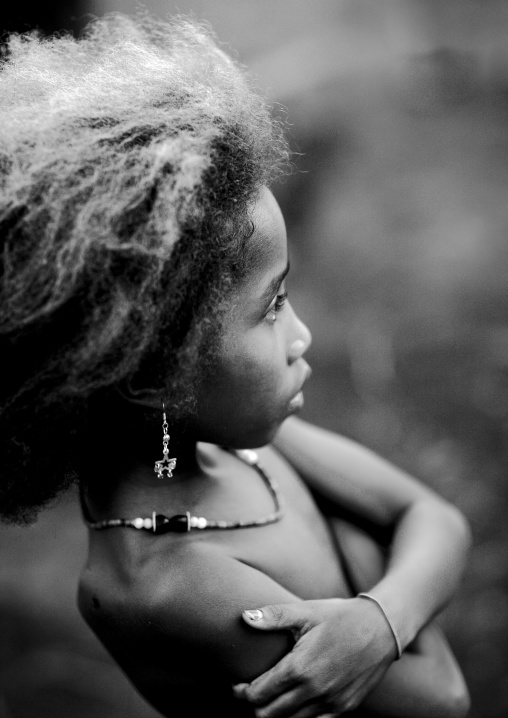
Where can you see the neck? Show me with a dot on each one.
(128, 451)
(139, 465)
(141, 441)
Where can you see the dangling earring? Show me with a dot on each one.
(165, 464)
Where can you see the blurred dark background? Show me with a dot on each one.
(398, 222)
(49, 17)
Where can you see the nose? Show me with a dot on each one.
(301, 343)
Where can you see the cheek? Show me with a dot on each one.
(252, 377)
(259, 367)
(246, 398)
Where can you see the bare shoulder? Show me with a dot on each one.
(190, 596)
(201, 602)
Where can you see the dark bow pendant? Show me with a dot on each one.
(176, 524)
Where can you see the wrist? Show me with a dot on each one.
(387, 619)
(405, 612)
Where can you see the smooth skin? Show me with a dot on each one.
(169, 608)
(412, 589)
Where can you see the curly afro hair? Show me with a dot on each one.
(128, 161)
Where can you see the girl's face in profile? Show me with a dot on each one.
(260, 370)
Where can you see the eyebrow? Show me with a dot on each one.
(275, 284)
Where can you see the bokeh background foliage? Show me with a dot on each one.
(398, 223)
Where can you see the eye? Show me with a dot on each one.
(276, 307)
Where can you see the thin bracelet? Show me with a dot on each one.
(392, 629)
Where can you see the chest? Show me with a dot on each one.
(300, 550)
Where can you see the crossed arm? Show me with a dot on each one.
(430, 536)
(317, 678)
(200, 623)
(325, 657)
(331, 664)
(320, 640)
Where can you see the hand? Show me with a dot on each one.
(343, 648)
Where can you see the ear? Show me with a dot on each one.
(143, 396)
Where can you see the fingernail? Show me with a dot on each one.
(239, 689)
(254, 615)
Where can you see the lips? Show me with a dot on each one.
(307, 374)
(297, 400)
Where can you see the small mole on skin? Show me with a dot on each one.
(95, 602)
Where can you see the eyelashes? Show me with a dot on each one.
(277, 306)
(280, 300)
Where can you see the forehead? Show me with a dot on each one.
(269, 237)
(266, 260)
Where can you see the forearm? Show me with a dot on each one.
(344, 649)
(404, 691)
(424, 683)
(430, 538)
(425, 563)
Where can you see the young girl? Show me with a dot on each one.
(150, 346)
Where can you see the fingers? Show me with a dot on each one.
(292, 705)
(314, 711)
(288, 705)
(278, 616)
(269, 685)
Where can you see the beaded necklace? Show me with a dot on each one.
(180, 523)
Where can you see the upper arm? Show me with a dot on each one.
(349, 474)
(202, 611)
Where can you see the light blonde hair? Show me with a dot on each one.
(128, 159)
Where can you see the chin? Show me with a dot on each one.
(257, 438)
